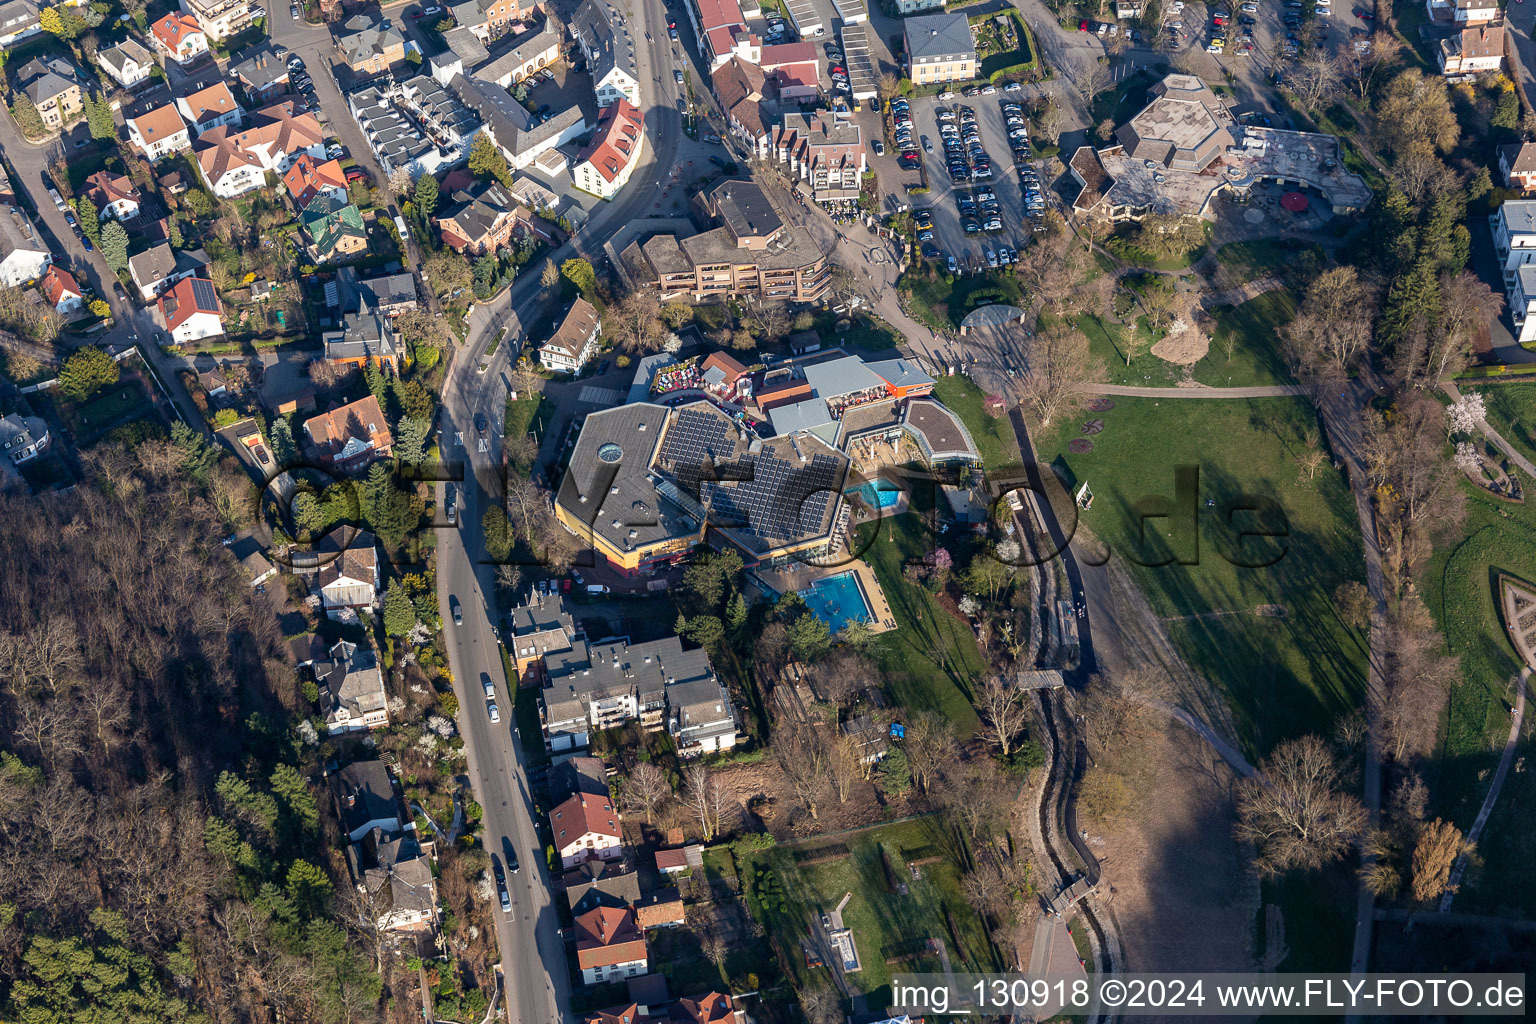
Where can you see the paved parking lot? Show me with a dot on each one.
(943, 198)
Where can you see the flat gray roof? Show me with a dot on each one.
(843, 376)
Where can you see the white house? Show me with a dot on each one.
(584, 827)
(575, 342)
(610, 54)
(352, 690)
(220, 19)
(61, 290)
(349, 582)
(115, 196)
(159, 133)
(605, 165)
(1514, 236)
(236, 160)
(23, 253)
(179, 37)
(700, 717)
(23, 438)
(1463, 12)
(18, 21)
(1522, 304)
(128, 63)
(210, 108)
(1472, 51)
(609, 946)
(191, 311)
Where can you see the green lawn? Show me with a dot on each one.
(1256, 359)
(1458, 586)
(992, 434)
(1249, 261)
(786, 893)
(1512, 412)
(930, 660)
(1284, 674)
(104, 408)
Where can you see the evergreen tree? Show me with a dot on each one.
(300, 811)
(197, 454)
(485, 160)
(114, 245)
(426, 194)
(90, 220)
(809, 637)
(411, 441)
(284, 451)
(98, 116)
(85, 373)
(399, 611)
(308, 514)
(580, 273)
(389, 511)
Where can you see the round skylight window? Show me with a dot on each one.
(610, 452)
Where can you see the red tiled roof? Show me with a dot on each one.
(606, 936)
(179, 303)
(160, 123)
(788, 53)
(307, 177)
(332, 430)
(105, 187)
(710, 1008)
(173, 28)
(675, 859)
(620, 129)
(207, 104)
(583, 814)
(58, 283)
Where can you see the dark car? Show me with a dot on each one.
(86, 241)
(932, 252)
(457, 610)
(508, 852)
(501, 885)
(480, 422)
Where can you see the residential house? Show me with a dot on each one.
(61, 290)
(365, 799)
(154, 270)
(578, 775)
(352, 689)
(308, 179)
(351, 436)
(234, 161)
(1463, 12)
(604, 166)
(128, 63)
(334, 227)
(721, 28)
(179, 37)
(939, 48)
(366, 337)
(18, 21)
(574, 342)
(23, 253)
(752, 252)
(739, 86)
(906, 7)
(220, 19)
(1472, 51)
(190, 310)
(210, 108)
(258, 568)
(599, 685)
(394, 875)
(607, 883)
(825, 151)
(113, 195)
(489, 19)
(1517, 164)
(53, 86)
(540, 625)
(159, 133)
(391, 294)
(710, 1008)
(479, 220)
(23, 438)
(867, 738)
(679, 859)
(610, 53)
(700, 717)
(795, 69)
(585, 826)
(609, 946)
(369, 45)
(530, 53)
(662, 908)
(346, 573)
(261, 72)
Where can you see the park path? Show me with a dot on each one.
(1502, 445)
(1196, 391)
(1493, 791)
(1228, 752)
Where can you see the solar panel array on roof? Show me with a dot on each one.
(782, 501)
(203, 294)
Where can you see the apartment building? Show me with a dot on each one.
(939, 49)
(369, 45)
(722, 31)
(752, 252)
(540, 625)
(610, 54)
(1514, 243)
(490, 19)
(700, 717)
(609, 945)
(823, 150)
(18, 21)
(220, 19)
(585, 826)
(179, 37)
(1464, 12)
(529, 54)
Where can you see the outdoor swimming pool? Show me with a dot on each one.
(876, 494)
(836, 600)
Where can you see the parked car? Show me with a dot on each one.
(356, 173)
(457, 610)
(672, 33)
(493, 711)
(501, 886)
(490, 687)
(677, 76)
(294, 10)
(597, 588)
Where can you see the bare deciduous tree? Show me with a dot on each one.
(1003, 707)
(1087, 76)
(1296, 812)
(635, 321)
(703, 799)
(646, 788)
(1060, 367)
(1439, 844)
(801, 753)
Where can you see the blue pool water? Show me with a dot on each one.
(836, 600)
(876, 495)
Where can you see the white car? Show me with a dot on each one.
(1213, 48)
(1177, 5)
(490, 690)
(492, 710)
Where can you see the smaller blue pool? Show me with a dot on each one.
(877, 494)
(837, 600)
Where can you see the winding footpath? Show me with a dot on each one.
(1460, 866)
